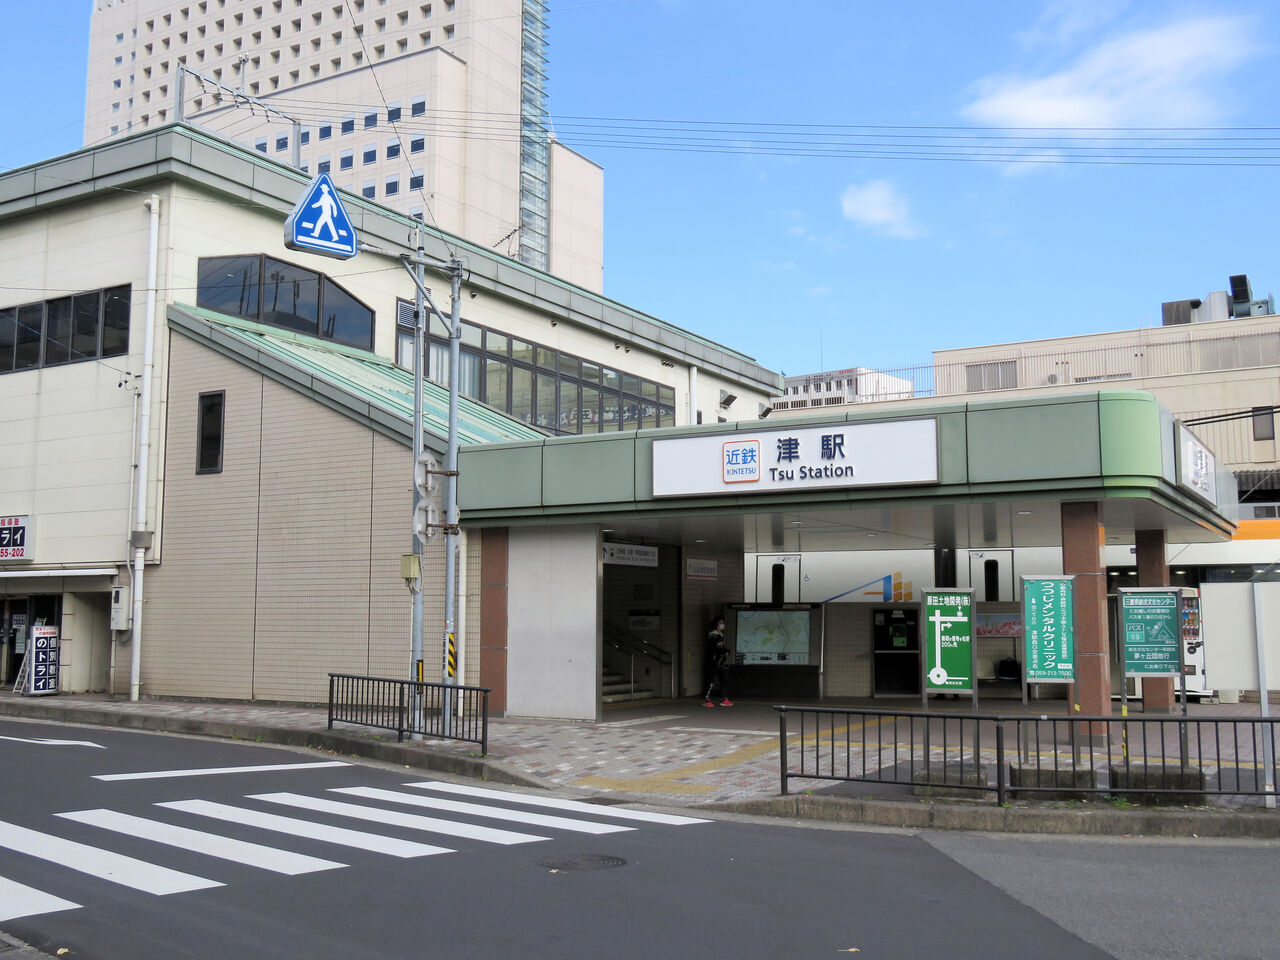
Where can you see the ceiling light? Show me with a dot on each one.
(1024, 513)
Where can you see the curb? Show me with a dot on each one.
(416, 755)
(992, 819)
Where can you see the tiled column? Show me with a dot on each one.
(493, 617)
(1082, 537)
(1153, 571)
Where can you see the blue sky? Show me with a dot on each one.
(774, 208)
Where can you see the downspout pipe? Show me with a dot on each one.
(139, 539)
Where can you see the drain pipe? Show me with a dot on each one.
(139, 539)
(693, 395)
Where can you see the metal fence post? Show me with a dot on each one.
(484, 726)
(332, 680)
(400, 718)
(1000, 763)
(782, 748)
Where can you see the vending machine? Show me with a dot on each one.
(1193, 658)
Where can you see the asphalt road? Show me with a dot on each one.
(265, 864)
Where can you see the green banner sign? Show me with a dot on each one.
(1048, 626)
(1149, 630)
(948, 617)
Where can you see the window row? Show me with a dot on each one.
(552, 389)
(258, 287)
(86, 326)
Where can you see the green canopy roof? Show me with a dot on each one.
(356, 382)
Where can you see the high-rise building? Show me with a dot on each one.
(438, 109)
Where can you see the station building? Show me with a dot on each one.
(279, 476)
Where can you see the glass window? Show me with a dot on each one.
(522, 394)
(611, 378)
(369, 189)
(495, 383)
(546, 358)
(667, 395)
(631, 385)
(57, 331)
(417, 144)
(522, 351)
(609, 413)
(290, 297)
(568, 365)
(304, 137)
(496, 343)
(115, 320)
(346, 319)
(393, 113)
(346, 160)
(569, 412)
(229, 285)
(418, 107)
(326, 131)
(8, 334)
(30, 325)
(392, 186)
(84, 334)
(1264, 423)
(666, 417)
(438, 363)
(590, 371)
(648, 415)
(371, 119)
(630, 414)
(209, 421)
(471, 335)
(648, 390)
(469, 374)
(393, 149)
(589, 418)
(415, 180)
(404, 349)
(370, 154)
(348, 124)
(546, 402)
(282, 143)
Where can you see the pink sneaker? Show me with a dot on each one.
(707, 703)
(726, 702)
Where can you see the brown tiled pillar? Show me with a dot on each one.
(1082, 536)
(1153, 571)
(493, 617)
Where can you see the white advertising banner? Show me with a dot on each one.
(16, 538)
(800, 458)
(1197, 468)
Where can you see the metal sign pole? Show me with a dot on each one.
(1264, 706)
(451, 498)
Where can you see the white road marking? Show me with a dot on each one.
(576, 806)
(397, 819)
(480, 810)
(18, 900)
(305, 828)
(210, 844)
(45, 742)
(116, 867)
(211, 771)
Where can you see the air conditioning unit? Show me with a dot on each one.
(1051, 379)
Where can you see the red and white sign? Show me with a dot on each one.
(16, 539)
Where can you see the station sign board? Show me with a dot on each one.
(1048, 629)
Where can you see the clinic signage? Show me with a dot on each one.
(838, 454)
(42, 676)
(1048, 629)
(1149, 629)
(1197, 467)
(17, 538)
(949, 650)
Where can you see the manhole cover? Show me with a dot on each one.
(582, 861)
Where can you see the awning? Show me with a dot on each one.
(68, 572)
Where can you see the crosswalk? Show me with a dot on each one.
(421, 808)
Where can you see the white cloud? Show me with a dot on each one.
(1064, 21)
(878, 206)
(1157, 77)
(819, 292)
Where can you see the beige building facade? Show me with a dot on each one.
(437, 110)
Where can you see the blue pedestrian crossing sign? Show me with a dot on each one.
(319, 224)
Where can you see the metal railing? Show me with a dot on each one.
(632, 647)
(444, 710)
(1024, 755)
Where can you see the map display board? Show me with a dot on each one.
(1150, 626)
(773, 636)
(949, 652)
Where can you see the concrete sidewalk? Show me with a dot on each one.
(674, 753)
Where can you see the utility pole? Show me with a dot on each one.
(425, 521)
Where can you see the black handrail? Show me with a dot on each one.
(445, 710)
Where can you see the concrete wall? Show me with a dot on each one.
(553, 645)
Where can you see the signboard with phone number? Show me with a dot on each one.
(43, 678)
(15, 538)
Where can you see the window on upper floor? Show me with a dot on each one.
(210, 420)
(85, 326)
(1264, 423)
(281, 294)
(995, 375)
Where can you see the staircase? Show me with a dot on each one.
(616, 688)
